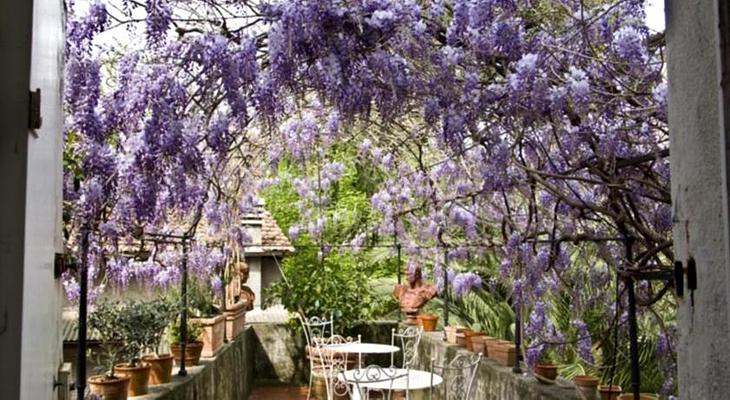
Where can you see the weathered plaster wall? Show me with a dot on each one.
(492, 381)
(699, 193)
(279, 350)
(228, 376)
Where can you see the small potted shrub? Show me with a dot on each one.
(104, 321)
(586, 386)
(135, 321)
(193, 345)
(470, 334)
(161, 314)
(428, 322)
(205, 314)
(642, 396)
(609, 392)
(546, 370)
(504, 353)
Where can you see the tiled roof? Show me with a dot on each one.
(272, 238)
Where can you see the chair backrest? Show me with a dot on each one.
(316, 328)
(332, 362)
(408, 340)
(458, 377)
(375, 379)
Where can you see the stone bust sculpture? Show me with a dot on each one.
(247, 295)
(415, 295)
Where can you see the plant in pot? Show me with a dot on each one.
(609, 392)
(193, 345)
(135, 320)
(546, 370)
(104, 321)
(586, 386)
(161, 313)
(428, 322)
(470, 334)
(206, 314)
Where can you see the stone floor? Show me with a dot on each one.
(279, 393)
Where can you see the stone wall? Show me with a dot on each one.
(493, 382)
(228, 376)
(279, 350)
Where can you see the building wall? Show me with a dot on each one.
(255, 277)
(41, 345)
(15, 45)
(270, 274)
(699, 193)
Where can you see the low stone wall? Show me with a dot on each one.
(227, 376)
(493, 382)
(279, 350)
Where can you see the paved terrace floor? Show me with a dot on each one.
(279, 393)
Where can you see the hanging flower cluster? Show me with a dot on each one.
(533, 133)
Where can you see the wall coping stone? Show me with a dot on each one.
(212, 377)
(493, 382)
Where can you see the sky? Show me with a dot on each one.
(655, 15)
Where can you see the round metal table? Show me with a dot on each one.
(364, 348)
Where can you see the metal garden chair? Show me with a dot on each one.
(458, 377)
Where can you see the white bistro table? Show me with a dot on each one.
(364, 348)
(408, 379)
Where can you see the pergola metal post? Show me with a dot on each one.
(184, 305)
(446, 290)
(83, 310)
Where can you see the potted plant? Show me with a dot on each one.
(134, 323)
(103, 320)
(452, 333)
(642, 396)
(193, 345)
(609, 392)
(469, 335)
(546, 371)
(205, 314)
(161, 313)
(235, 316)
(504, 353)
(586, 386)
(428, 322)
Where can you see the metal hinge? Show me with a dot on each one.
(34, 114)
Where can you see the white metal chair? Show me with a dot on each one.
(458, 377)
(316, 330)
(361, 383)
(408, 340)
(331, 363)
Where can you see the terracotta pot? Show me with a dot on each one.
(586, 386)
(192, 353)
(428, 322)
(480, 344)
(470, 334)
(609, 392)
(461, 339)
(504, 354)
(642, 396)
(214, 329)
(451, 332)
(109, 388)
(547, 371)
(160, 368)
(139, 377)
(235, 316)
(489, 343)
